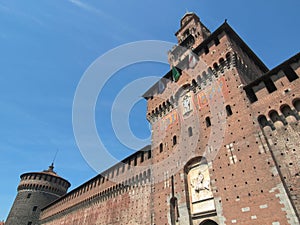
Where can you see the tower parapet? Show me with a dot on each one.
(35, 191)
(190, 34)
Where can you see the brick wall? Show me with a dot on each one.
(220, 116)
(122, 193)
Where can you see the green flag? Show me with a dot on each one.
(175, 74)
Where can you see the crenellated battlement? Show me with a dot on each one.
(283, 77)
(43, 182)
(217, 53)
(35, 191)
(169, 99)
(131, 173)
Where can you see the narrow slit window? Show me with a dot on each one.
(228, 110)
(161, 147)
(207, 120)
(174, 140)
(190, 131)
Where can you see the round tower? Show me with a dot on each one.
(35, 191)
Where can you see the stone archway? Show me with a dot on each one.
(201, 199)
(208, 222)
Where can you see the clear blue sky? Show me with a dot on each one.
(46, 45)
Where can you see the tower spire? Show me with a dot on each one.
(54, 157)
(51, 167)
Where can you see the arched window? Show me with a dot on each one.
(228, 58)
(274, 116)
(228, 110)
(204, 77)
(186, 33)
(296, 104)
(190, 131)
(160, 108)
(262, 120)
(276, 119)
(174, 140)
(207, 120)
(210, 71)
(168, 103)
(222, 62)
(148, 174)
(194, 83)
(161, 146)
(221, 65)
(172, 101)
(216, 67)
(136, 179)
(288, 113)
(199, 80)
(208, 222)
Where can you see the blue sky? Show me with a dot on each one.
(46, 45)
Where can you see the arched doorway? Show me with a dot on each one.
(198, 188)
(208, 222)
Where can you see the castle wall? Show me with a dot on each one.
(278, 115)
(224, 149)
(122, 193)
(130, 207)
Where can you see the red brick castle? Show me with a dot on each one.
(225, 144)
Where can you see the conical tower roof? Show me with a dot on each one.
(50, 170)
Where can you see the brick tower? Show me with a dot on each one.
(225, 144)
(212, 162)
(35, 191)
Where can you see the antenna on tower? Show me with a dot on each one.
(51, 167)
(55, 157)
